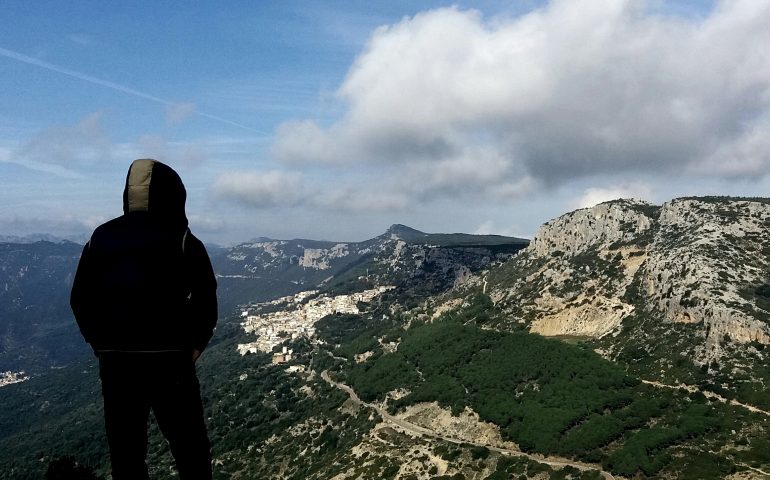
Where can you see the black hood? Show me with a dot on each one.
(156, 188)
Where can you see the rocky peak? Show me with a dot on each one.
(604, 224)
(701, 261)
(402, 232)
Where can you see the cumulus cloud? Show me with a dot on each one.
(470, 172)
(480, 170)
(457, 101)
(261, 189)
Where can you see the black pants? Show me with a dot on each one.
(134, 383)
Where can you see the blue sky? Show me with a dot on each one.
(333, 120)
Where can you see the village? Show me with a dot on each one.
(9, 378)
(297, 318)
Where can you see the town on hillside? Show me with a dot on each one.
(297, 318)
(9, 378)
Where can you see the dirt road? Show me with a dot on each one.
(422, 431)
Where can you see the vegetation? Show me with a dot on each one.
(548, 396)
(720, 199)
(37, 330)
(51, 417)
(568, 401)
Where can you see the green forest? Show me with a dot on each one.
(551, 397)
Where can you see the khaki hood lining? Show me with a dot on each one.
(138, 185)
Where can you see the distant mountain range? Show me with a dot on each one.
(266, 268)
(627, 340)
(37, 330)
(42, 237)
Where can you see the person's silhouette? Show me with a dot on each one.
(144, 297)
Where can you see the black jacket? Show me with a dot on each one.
(144, 281)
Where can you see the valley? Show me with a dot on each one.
(627, 340)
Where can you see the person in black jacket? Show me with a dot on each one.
(144, 297)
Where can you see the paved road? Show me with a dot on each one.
(422, 431)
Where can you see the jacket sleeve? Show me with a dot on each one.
(203, 293)
(82, 295)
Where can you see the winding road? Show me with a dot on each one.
(426, 432)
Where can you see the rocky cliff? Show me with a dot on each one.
(700, 261)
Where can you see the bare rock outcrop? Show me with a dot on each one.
(702, 261)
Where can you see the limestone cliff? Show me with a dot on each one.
(702, 261)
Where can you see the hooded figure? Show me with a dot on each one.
(144, 297)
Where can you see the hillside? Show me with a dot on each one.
(677, 293)
(43, 409)
(37, 331)
(416, 356)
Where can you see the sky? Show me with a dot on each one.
(335, 119)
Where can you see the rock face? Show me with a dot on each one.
(321, 258)
(701, 261)
(708, 264)
(604, 224)
(265, 269)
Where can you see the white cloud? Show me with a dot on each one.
(596, 195)
(68, 146)
(206, 223)
(746, 156)
(571, 90)
(261, 189)
(305, 141)
(477, 171)
(357, 199)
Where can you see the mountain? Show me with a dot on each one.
(41, 237)
(37, 330)
(678, 293)
(247, 274)
(267, 269)
(627, 340)
(693, 261)
(36, 326)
